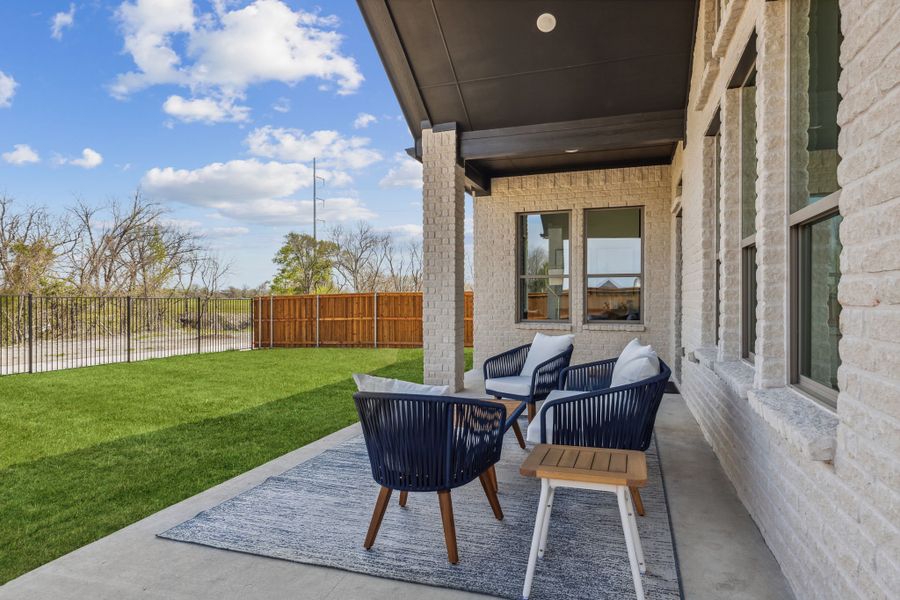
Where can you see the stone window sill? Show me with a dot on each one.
(614, 327)
(808, 427)
(538, 326)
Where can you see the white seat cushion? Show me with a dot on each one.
(534, 428)
(371, 383)
(543, 348)
(517, 385)
(636, 363)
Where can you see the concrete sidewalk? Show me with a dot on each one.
(720, 551)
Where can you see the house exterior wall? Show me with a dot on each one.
(495, 323)
(823, 485)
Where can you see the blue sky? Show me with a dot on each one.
(213, 108)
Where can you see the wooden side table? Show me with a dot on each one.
(596, 469)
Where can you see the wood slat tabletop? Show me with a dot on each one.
(591, 465)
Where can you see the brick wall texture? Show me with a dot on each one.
(833, 525)
(495, 261)
(443, 251)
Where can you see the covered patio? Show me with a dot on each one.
(664, 170)
(719, 549)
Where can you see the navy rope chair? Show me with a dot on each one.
(544, 379)
(619, 417)
(430, 444)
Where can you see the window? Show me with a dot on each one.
(748, 215)
(543, 267)
(715, 131)
(613, 264)
(816, 247)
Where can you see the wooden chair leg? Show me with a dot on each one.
(518, 431)
(532, 410)
(638, 503)
(493, 473)
(491, 494)
(449, 525)
(384, 497)
(403, 497)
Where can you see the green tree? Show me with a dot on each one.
(304, 266)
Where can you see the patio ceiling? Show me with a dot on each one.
(607, 87)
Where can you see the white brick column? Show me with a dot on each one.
(771, 199)
(730, 229)
(443, 212)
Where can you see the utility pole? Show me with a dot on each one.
(315, 199)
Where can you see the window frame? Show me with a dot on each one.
(520, 267)
(587, 275)
(805, 216)
(749, 301)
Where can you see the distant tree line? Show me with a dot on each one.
(118, 249)
(351, 259)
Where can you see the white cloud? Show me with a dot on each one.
(90, 159)
(225, 51)
(226, 232)
(8, 87)
(406, 172)
(251, 190)
(21, 154)
(330, 148)
(205, 110)
(407, 230)
(282, 105)
(61, 21)
(363, 120)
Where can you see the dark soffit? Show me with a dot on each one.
(484, 65)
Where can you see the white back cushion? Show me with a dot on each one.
(636, 363)
(533, 434)
(371, 383)
(543, 348)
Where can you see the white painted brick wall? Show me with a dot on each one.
(495, 264)
(443, 210)
(833, 526)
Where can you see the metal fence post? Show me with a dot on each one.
(317, 320)
(198, 324)
(375, 318)
(128, 328)
(30, 336)
(271, 321)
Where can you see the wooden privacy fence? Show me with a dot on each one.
(370, 320)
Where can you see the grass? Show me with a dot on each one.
(88, 451)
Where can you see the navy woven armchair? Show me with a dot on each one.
(619, 417)
(430, 444)
(502, 379)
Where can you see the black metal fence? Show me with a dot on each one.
(48, 333)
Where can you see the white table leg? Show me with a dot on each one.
(624, 507)
(546, 527)
(536, 538)
(634, 531)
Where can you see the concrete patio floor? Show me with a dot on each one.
(720, 551)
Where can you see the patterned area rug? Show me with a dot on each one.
(318, 513)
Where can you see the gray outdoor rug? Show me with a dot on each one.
(318, 513)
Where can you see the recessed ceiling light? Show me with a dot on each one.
(546, 22)
(571, 151)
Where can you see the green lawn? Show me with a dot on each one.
(87, 451)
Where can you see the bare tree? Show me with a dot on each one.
(361, 256)
(121, 249)
(30, 243)
(403, 266)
